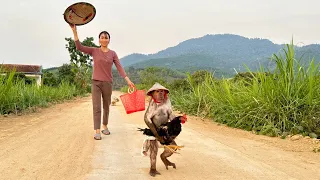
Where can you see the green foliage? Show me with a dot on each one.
(179, 85)
(147, 77)
(17, 77)
(17, 96)
(18, 93)
(188, 63)
(119, 82)
(81, 63)
(66, 73)
(244, 76)
(199, 77)
(151, 75)
(77, 57)
(50, 79)
(286, 99)
(248, 77)
(58, 75)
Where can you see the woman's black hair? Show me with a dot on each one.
(104, 32)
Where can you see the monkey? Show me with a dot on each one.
(158, 113)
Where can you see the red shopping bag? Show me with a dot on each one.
(133, 101)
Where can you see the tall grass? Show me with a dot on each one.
(16, 96)
(286, 100)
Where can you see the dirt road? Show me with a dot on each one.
(57, 143)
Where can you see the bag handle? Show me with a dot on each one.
(131, 91)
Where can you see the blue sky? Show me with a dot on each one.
(33, 31)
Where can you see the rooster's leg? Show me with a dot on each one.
(167, 153)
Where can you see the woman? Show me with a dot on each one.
(103, 59)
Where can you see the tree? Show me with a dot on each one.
(151, 75)
(81, 63)
(65, 73)
(77, 57)
(49, 79)
(200, 76)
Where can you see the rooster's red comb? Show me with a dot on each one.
(185, 116)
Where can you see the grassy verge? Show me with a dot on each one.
(17, 96)
(278, 102)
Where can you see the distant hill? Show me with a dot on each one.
(308, 52)
(132, 59)
(186, 63)
(51, 69)
(223, 53)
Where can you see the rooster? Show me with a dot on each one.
(168, 131)
(114, 100)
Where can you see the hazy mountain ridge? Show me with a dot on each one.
(223, 51)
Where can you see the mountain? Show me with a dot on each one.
(222, 52)
(309, 52)
(132, 59)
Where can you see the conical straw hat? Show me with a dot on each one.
(79, 13)
(156, 86)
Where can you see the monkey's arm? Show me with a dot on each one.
(148, 120)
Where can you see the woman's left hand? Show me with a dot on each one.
(130, 84)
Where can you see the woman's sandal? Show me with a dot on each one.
(105, 132)
(97, 137)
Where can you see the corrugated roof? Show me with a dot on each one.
(32, 69)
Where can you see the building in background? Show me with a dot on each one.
(32, 71)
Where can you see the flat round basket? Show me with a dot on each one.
(79, 13)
